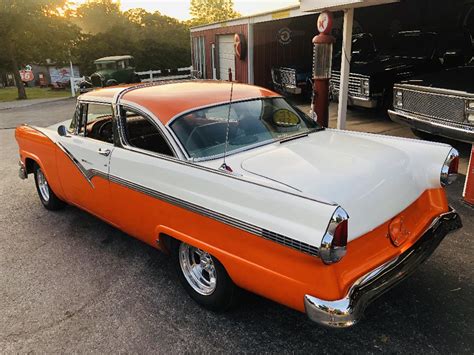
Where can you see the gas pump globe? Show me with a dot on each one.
(322, 66)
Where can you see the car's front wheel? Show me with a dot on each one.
(204, 278)
(47, 197)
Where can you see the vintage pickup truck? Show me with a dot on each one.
(244, 190)
(374, 71)
(437, 104)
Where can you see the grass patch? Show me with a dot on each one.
(11, 94)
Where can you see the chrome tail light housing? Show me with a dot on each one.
(449, 171)
(334, 244)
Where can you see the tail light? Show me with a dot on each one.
(334, 243)
(449, 171)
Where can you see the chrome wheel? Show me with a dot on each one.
(42, 185)
(198, 268)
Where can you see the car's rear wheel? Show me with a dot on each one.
(47, 197)
(204, 278)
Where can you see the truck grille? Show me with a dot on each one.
(355, 83)
(284, 76)
(434, 105)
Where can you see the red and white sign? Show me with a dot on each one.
(239, 46)
(27, 75)
(325, 22)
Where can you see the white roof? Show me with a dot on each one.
(113, 58)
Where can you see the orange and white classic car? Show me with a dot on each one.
(246, 191)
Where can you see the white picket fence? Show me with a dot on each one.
(159, 75)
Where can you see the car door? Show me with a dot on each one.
(88, 147)
(141, 162)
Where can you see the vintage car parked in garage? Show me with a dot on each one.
(437, 104)
(119, 69)
(374, 72)
(249, 192)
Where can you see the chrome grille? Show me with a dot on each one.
(355, 87)
(434, 105)
(284, 76)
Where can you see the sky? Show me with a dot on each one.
(180, 8)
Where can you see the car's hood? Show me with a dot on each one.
(372, 177)
(386, 64)
(458, 79)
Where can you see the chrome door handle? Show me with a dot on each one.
(104, 152)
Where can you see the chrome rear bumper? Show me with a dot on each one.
(348, 310)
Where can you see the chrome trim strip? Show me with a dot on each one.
(347, 311)
(231, 221)
(78, 165)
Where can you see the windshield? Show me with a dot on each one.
(413, 45)
(203, 132)
(106, 65)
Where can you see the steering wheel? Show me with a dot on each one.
(106, 132)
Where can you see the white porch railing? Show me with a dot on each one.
(158, 75)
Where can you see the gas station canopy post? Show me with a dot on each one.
(348, 7)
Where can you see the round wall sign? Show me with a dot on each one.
(240, 46)
(284, 35)
(325, 22)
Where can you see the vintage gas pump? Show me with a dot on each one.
(322, 65)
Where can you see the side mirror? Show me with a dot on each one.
(62, 131)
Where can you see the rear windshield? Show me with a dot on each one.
(202, 133)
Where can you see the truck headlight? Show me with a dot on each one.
(470, 111)
(398, 99)
(365, 87)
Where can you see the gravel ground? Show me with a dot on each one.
(71, 283)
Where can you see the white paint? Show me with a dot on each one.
(276, 210)
(372, 177)
(345, 67)
(226, 57)
(73, 89)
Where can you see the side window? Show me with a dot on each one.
(97, 122)
(141, 133)
(76, 119)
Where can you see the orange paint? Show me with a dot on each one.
(254, 263)
(167, 101)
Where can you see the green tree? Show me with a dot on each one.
(32, 31)
(209, 11)
(97, 16)
(156, 41)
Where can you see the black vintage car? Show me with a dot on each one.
(373, 72)
(437, 104)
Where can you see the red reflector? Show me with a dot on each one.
(453, 167)
(340, 235)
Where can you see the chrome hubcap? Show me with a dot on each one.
(198, 269)
(42, 185)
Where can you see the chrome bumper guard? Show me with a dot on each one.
(22, 171)
(453, 130)
(348, 310)
(358, 101)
